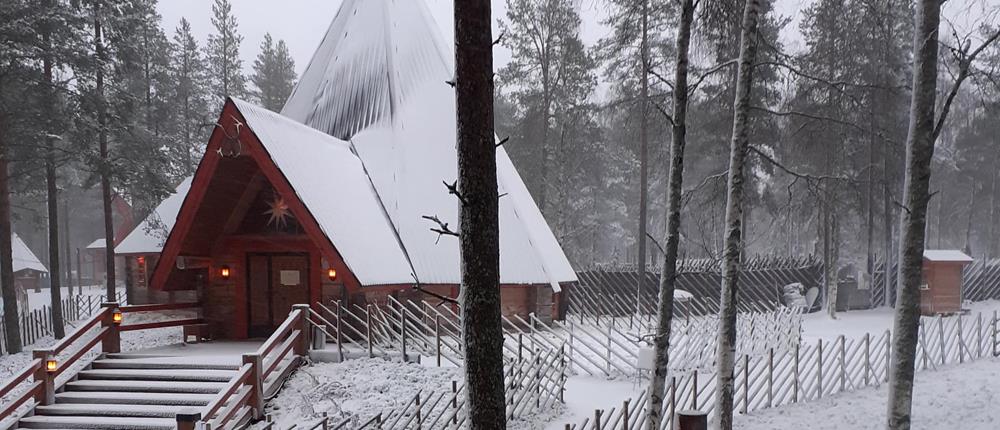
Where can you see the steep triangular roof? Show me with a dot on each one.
(22, 256)
(379, 79)
(148, 236)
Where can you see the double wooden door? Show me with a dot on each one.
(275, 282)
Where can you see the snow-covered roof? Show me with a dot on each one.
(379, 79)
(22, 256)
(96, 244)
(331, 182)
(149, 236)
(948, 255)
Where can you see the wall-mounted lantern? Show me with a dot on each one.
(224, 272)
(331, 273)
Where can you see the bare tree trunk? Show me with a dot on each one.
(478, 217)
(968, 223)
(105, 167)
(726, 355)
(12, 328)
(668, 273)
(67, 252)
(52, 192)
(991, 248)
(887, 290)
(643, 157)
(919, 152)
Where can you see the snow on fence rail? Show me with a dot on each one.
(810, 372)
(37, 323)
(600, 347)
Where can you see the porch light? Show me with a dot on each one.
(51, 365)
(331, 273)
(117, 317)
(224, 272)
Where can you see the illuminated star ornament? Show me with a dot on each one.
(278, 214)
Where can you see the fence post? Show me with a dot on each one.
(340, 336)
(868, 356)
(795, 375)
(454, 401)
(625, 414)
(941, 339)
(597, 419)
(961, 341)
(888, 352)
(112, 341)
(746, 383)
(609, 347)
(979, 335)
(843, 365)
(694, 389)
(819, 368)
(368, 329)
(770, 377)
(417, 401)
(187, 420)
(256, 382)
(47, 395)
(437, 337)
(325, 423)
(993, 347)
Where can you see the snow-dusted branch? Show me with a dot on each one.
(442, 229)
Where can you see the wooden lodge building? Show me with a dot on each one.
(327, 200)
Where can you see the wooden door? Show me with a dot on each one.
(275, 282)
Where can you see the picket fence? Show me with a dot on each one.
(599, 347)
(809, 372)
(37, 323)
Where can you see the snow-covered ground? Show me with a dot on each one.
(963, 397)
(855, 324)
(43, 297)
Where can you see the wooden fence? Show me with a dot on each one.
(533, 384)
(37, 323)
(600, 346)
(810, 372)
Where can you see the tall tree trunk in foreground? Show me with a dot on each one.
(478, 217)
(919, 152)
(726, 354)
(52, 191)
(643, 157)
(67, 253)
(12, 332)
(105, 167)
(668, 273)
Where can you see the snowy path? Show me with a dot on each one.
(965, 397)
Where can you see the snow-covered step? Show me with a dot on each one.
(159, 374)
(115, 398)
(107, 423)
(161, 364)
(84, 409)
(146, 386)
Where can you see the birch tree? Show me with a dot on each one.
(668, 273)
(478, 215)
(739, 145)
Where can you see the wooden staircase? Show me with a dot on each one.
(122, 391)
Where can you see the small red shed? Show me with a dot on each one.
(941, 286)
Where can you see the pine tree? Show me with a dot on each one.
(189, 74)
(273, 74)
(223, 53)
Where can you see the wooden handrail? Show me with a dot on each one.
(80, 352)
(30, 393)
(161, 324)
(224, 395)
(20, 377)
(159, 307)
(242, 397)
(286, 347)
(66, 341)
(280, 333)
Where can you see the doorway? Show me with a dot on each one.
(275, 282)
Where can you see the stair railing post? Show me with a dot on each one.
(368, 329)
(112, 342)
(256, 382)
(188, 420)
(47, 395)
(302, 347)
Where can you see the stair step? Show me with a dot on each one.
(125, 398)
(146, 386)
(107, 423)
(82, 409)
(153, 363)
(159, 374)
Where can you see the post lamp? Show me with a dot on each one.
(117, 317)
(51, 365)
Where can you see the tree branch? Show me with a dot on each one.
(442, 229)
